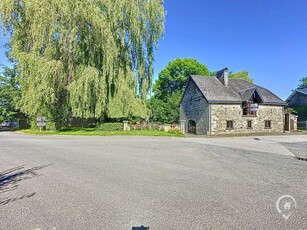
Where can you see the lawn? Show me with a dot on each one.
(97, 132)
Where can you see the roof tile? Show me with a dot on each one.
(237, 91)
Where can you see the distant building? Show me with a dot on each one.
(298, 101)
(218, 105)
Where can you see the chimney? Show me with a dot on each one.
(222, 75)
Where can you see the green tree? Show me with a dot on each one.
(9, 95)
(242, 75)
(84, 58)
(174, 77)
(303, 83)
(168, 89)
(165, 111)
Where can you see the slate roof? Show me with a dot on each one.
(247, 94)
(238, 91)
(303, 91)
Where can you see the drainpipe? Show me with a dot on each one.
(284, 119)
(210, 122)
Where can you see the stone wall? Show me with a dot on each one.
(293, 122)
(223, 113)
(195, 107)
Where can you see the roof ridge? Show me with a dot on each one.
(249, 88)
(202, 76)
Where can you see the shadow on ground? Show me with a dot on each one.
(11, 178)
(6, 130)
(299, 149)
(140, 228)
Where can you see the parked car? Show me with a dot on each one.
(8, 124)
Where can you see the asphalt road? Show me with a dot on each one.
(55, 182)
(298, 149)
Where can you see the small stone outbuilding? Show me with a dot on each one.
(218, 105)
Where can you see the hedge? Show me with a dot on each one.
(111, 127)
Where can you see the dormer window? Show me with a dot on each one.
(250, 109)
(251, 105)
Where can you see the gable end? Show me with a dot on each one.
(191, 81)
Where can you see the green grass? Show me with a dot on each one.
(96, 132)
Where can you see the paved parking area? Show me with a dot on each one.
(298, 149)
(60, 182)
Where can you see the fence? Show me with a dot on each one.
(302, 125)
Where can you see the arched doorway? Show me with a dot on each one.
(192, 127)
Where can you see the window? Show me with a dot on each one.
(267, 124)
(249, 124)
(229, 125)
(250, 109)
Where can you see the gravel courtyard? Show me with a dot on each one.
(61, 182)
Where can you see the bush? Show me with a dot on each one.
(174, 131)
(51, 126)
(33, 124)
(301, 111)
(111, 127)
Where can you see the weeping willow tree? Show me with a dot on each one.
(84, 58)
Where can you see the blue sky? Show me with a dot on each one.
(3, 40)
(266, 37)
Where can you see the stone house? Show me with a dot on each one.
(298, 101)
(218, 105)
